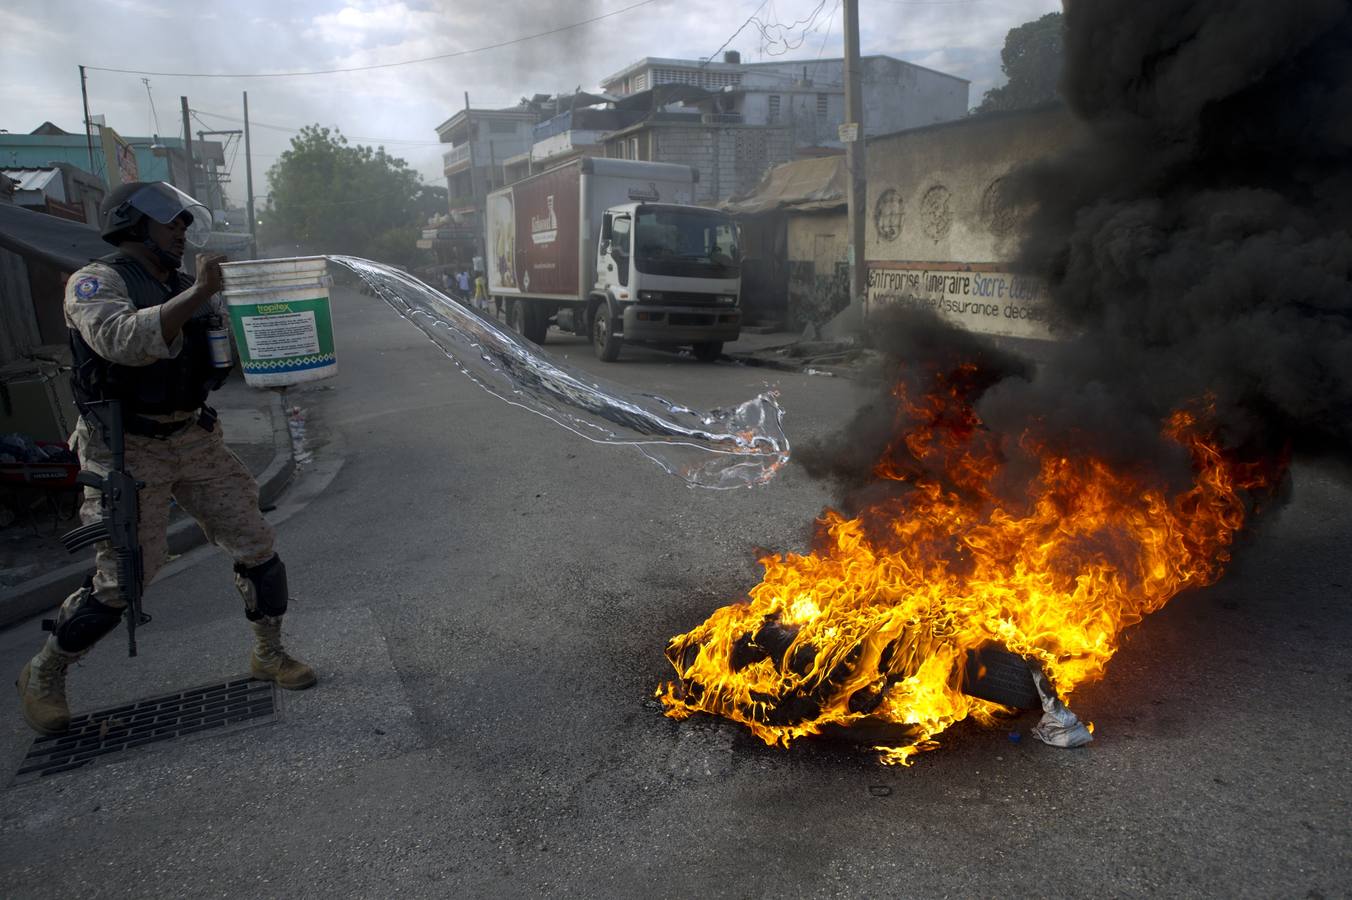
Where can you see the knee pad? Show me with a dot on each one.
(80, 625)
(263, 588)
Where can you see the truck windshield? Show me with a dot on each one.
(694, 243)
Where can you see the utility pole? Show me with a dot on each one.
(248, 178)
(852, 133)
(89, 132)
(480, 212)
(187, 148)
(214, 179)
(469, 129)
(210, 176)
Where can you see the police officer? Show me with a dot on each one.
(138, 335)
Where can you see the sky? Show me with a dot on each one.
(44, 41)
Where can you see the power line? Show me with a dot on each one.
(253, 123)
(783, 34)
(830, 17)
(154, 114)
(733, 36)
(406, 62)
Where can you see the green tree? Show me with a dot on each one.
(1031, 60)
(432, 200)
(326, 196)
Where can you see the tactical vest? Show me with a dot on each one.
(166, 386)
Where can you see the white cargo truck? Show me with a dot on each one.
(612, 248)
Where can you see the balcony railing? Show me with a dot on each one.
(456, 156)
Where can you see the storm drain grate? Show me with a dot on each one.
(96, 736)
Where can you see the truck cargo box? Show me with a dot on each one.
(542, 230)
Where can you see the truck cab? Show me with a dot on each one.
(668, 274)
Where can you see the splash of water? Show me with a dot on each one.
(741, 446)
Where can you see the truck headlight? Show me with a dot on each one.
(727, 299)
(649, 296)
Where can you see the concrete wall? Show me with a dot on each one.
(730, 159)
(818, 271)
(798, 113)
(897, 95)
(939, 231)
(492, 147)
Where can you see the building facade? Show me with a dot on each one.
(156, 158)
(942, 227)
(733, 121)
(58, 189)
(729, 157)
(481, 142)
(808, 97)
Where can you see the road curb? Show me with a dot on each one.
(48, 590)
(762, 361)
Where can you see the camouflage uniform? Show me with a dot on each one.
(187, 463)
(192, 466)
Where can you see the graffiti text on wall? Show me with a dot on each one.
(978, 296)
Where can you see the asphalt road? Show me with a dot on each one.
(486, 597)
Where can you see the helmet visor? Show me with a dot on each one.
(164, 203)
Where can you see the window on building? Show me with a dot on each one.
(711, 81)
(496, 126)
(774, 108)
(823, 106)
(633, 148)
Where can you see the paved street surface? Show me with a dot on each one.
(487, 596)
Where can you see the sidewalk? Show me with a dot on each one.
(36, 572)
(790, 351)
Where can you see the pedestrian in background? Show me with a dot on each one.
(481, 292)
(462, 279)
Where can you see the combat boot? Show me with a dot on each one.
(42, 689)
(270, 661)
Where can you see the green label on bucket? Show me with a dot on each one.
(285, 334)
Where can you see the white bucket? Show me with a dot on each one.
(279, 313)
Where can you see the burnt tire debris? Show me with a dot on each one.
(991, 672)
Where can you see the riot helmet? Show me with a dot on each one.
(125, 206)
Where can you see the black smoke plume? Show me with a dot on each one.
(1196, 242)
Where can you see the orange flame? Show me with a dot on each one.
(878, 621)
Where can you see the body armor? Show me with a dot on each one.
(165, 387)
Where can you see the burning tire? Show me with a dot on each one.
(993, 673)
(805, 684)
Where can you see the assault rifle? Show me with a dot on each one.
(121, 515)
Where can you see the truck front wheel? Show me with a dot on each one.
(604, 340)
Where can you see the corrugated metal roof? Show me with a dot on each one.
(33, 179)
(803, 185)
